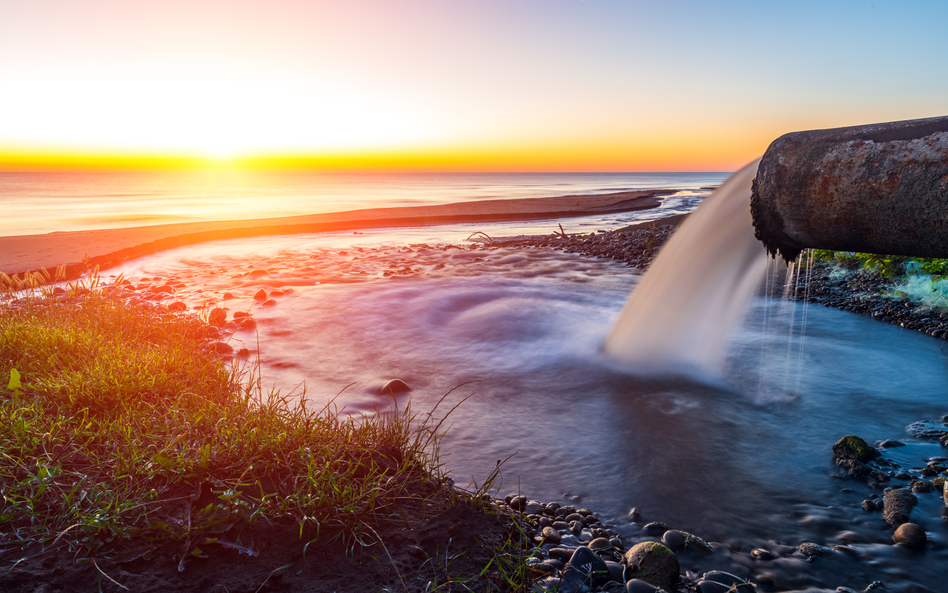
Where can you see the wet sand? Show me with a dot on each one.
(108, 247)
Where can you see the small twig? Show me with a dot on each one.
(483, 234)
(392, 560)
(107, 576)
(562, 232)
(274, 571)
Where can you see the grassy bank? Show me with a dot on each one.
(122, 432)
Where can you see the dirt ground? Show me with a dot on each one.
(445, 540)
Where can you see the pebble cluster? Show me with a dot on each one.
(579, 553)
(866, 292)
(636, 247)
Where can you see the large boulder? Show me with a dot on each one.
(653, 563)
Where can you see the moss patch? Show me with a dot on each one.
(853, 447)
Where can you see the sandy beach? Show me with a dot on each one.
(107, 247)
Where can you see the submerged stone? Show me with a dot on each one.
(399, 386)
(897, 506)
(217, 317)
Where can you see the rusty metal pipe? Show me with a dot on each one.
(880, 188)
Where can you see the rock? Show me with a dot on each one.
(247, 323)
(897, 506)
(922, 486)
(560, 525)
(691, 540)
(655, 528)
(545, 522)
(217, 316)
(911, 535)
(563, 554)
(222, 348)
(653, 563)
(891, 443)
(227, 296)
(533, 507)
(634, 514)
(268, 303)
(576, 527)
(243, 353)
(600, 543)
(548, 567)
(673, 540)
(762, 554)
(811, 550)
(396, 386)
(856, 469)
(240, 314)
(573, 517)
(615, 571)
(850, 537)
(260, 295)
(640, 586)
(585, 569)
(711, 587)
(853, 447)
(551, 535)
(257, 273)
(517, 502)
(177, 306)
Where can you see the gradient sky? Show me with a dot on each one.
(620, 85)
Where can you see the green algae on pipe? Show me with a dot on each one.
(880, 188)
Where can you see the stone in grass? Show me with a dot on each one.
(911, 535)
(653, 563)
(853, 447)
(897, 506)
(222, 347)
(217, 317)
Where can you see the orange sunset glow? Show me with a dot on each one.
(567, 85)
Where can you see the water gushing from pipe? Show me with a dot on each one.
(680, 315)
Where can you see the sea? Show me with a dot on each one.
(42, 202)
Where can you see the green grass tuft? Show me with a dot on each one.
(124, 431)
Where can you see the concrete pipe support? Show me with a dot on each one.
(881, 188)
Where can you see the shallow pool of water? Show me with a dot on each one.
(743, 459)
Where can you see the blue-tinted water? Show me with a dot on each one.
(744, 461)
(40, 202)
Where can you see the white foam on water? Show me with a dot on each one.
(680, 316)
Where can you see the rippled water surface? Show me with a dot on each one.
(743, 459)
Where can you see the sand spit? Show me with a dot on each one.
(107, 247)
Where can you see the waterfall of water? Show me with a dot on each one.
(680, 315)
